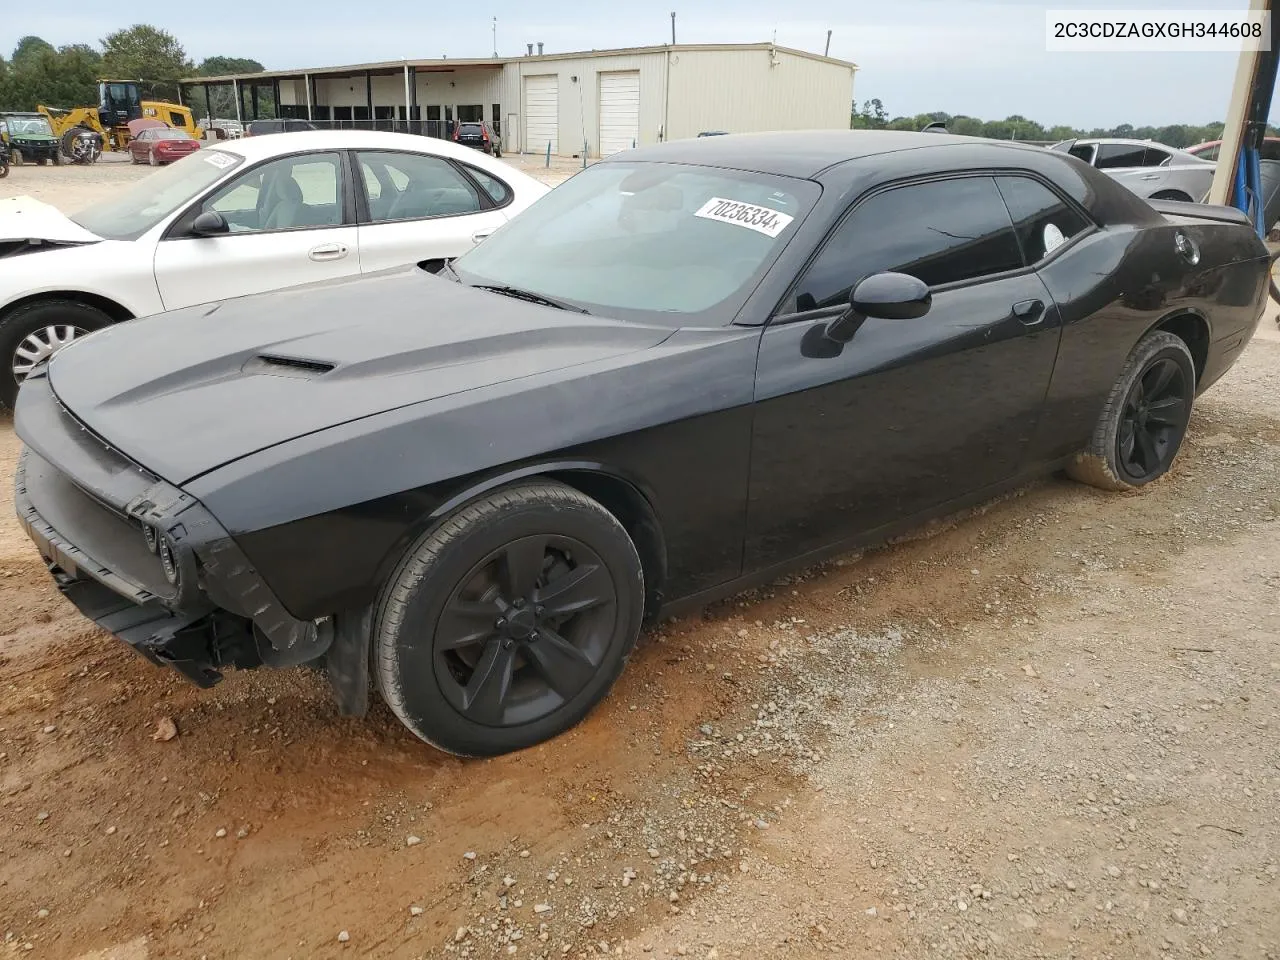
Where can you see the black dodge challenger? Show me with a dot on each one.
(688, 368)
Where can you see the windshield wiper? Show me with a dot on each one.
(531, 297)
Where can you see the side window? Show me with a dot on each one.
(1113, 155)
(407, 186)
(1083, 151)
(285, 194)
(498, 191)
(942, 232)
(1042, 220)
(1212, 152)
(1155, 158)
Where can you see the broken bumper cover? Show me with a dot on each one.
(143, 559)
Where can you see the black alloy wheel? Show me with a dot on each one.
(525, 630)
(509, 619)
(1144, 419)
(1154, 418)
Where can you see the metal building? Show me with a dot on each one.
(607, 100)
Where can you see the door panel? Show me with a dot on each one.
(203, 269)
(286, 228)
(909, 415)
(420, 208)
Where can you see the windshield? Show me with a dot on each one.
(170, 135)
(130, 214)
(32, 125)
(651, 241)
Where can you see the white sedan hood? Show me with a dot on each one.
(26, 218)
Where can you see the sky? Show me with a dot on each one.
(984, 58)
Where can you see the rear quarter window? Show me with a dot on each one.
(1042, 220)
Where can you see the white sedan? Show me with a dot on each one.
(242, 217)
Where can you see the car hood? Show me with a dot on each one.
(185, 392)
(26, 218)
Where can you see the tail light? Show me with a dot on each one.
(457, 128)
(484, 133)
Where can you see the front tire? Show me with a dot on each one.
(34, 332)
(506, 623)
(1144, 419)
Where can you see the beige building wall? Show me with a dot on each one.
(748, 91)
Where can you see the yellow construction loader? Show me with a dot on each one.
(84, 132)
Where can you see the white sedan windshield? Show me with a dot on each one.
(654, 238)
(130, 214)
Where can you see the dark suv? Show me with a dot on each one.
(477, 134)
(257, 128)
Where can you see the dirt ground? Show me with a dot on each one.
(1048, 729)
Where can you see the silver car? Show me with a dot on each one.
(1151, 170)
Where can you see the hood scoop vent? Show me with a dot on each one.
(287, 366)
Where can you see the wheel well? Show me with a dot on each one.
(636, 515)
(112, 309)
(1170, 195)
(1194, 332)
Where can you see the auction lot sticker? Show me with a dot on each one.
(219, 160)
(760, 219)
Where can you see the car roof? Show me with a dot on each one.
(1127, 142)
(800, 153)
(274, 144)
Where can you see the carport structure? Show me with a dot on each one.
(412, 96)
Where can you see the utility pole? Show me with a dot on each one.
(826, 51)
(673, 28)
(495, 38)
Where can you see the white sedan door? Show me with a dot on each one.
(422, 207)
(287, 225)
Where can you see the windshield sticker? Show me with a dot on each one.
(219, 160)
(760, 219)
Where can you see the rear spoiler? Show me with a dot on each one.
(1200, 211)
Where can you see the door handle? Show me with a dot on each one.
(480, 235)
(1029, 312)
(1150, 176)
(328, 251)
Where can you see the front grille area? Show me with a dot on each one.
(107, 542)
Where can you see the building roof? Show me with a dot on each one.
(445, 63)
(800, 153)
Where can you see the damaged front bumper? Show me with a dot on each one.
(143, 559)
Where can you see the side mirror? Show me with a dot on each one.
(888, 296)
(209, 224)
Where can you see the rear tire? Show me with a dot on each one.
(1144, 419)
(37, 330)
(152, 159)
(506, 623)
(1171, 195)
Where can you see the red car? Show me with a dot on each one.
(1210, 148)
(157, 145)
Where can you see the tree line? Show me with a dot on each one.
(872, 116)
(37, 72)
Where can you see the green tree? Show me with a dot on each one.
(29, 47)
(872, 116)
(221, 66)
(151, 56)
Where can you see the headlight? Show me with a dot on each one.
(168, 560)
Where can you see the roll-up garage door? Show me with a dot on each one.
(619, 111)
(541, 113)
